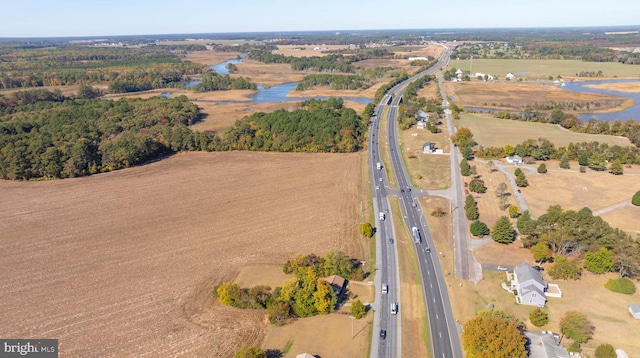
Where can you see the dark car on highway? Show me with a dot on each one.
(383, 334)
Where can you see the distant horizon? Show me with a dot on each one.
(630, 28)
(76, 18)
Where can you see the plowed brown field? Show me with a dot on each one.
(122, 264)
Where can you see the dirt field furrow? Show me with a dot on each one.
(122, 264)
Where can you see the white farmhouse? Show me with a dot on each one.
(514, 159)
(529, 285)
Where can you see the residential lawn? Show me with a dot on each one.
(427, 171)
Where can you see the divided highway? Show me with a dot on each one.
(442, 328)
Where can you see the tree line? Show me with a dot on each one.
(131, 68)
(211, 81)
(336, 82)
(566, 236)
(46, 135)
(594, 155)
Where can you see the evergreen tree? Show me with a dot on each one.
(616, 167)
(478, 228)
(502, 231)
(525, 223)
(465, 168)
(521, 180)
(471, 208)
(564, 161)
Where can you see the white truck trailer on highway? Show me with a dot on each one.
(416, 235)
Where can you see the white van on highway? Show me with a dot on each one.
(394, 308)
(385, 288)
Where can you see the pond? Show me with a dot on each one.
(632, 112)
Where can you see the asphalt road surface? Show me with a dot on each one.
(442, 328)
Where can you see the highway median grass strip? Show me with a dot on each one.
(384, 149)
(415, 332)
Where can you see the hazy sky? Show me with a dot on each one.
(50, 18)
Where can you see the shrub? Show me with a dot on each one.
(542, 168)
(366, 230)
(621, 285)
(358, 310)
(583, 169)
(250, 352)
(636, 199)
(539, 317)
(514, 211)
(605, 351)
(438, 212)
(565, 269)
(478, 228)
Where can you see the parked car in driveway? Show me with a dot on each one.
(502, 268)
(539, 268)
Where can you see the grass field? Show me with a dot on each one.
(544, 68)
(427, 171)
(308, 50)
(573, 190)
(488, 203)
(495, 132)
(515, 95)
(625, 218)
(411, 310)
(122, 263)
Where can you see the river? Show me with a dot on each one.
(632, 112)
(276, 93)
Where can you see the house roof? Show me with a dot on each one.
(634, 308)
(525, 272)
(305, 355)
(545, 346)
(335, 280)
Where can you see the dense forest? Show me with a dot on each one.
(211, 81)
(318, 126)
(570, 234)
(125, 69)
(336, 82)
(46, 135)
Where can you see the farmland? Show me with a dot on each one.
(511, 95)
(122, 263)
(544, 68)
(495, 132)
